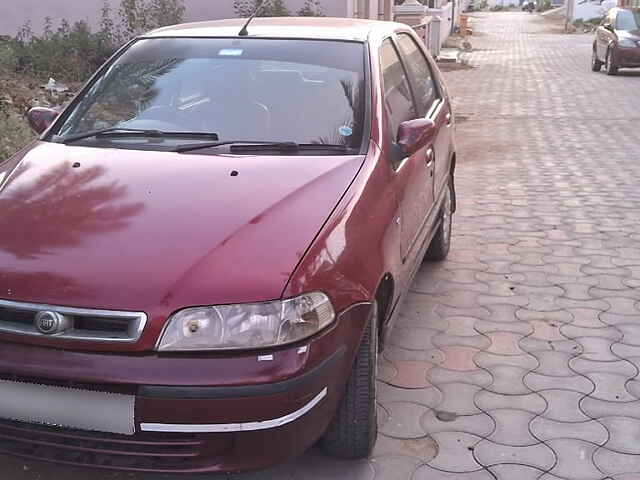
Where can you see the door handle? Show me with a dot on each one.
(449, 119)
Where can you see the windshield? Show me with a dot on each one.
(628, 20)
(262, 90)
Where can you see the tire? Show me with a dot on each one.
(352, 432)
(609, 66)
(596, 65)
(441, 243)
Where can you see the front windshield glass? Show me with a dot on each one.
(267, 90)
(628, 20)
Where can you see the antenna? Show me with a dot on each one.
(244, 32)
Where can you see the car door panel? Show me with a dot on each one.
(413, 174)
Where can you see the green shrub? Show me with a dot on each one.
(14, 133)
(72, 52)
(271, 8)
(311, 8)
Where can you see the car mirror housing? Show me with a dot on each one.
(41, 118)
(415, 134)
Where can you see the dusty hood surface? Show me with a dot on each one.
(155, 232)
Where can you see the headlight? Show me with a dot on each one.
(245, 326)
(626, 43)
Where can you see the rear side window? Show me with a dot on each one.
(397, 93)
(628, 20)
(424, 85)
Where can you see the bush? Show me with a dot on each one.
(271, 8)
(312, 8)
(72, 52)
(14, 133)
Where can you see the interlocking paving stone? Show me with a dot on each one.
(577, 383)
(426, 472)
(477, 342)
(410, 374)
(553, 363)
(610, 387)
(615, 463)
(591, 431)
(630, 333)
(504, 343)
(458, 398)
(507, 471)
(412, 338)
(428, 397)
(563, 405)
(459, 358)
(435, 421)
(574, 459)
(456, 452)
(404, 420)
(420, 449)
(512, 427)
(532, 402)
(394, 467)
(539, 456)
(438, 375)
(624, 434)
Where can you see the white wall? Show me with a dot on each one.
(14, 13)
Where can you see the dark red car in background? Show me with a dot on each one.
(201, 256)
(617, 43)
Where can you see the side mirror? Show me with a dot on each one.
(415, 134)
(40, 118)
(608, 26)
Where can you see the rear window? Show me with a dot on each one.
(302, 91)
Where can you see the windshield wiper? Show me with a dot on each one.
(243, 146)
(134, 132)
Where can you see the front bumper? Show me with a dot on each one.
(197, 413)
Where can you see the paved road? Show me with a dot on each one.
(519, 357)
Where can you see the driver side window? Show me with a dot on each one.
(398, 97)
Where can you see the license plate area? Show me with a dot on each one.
(67, 407)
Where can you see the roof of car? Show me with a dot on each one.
(284, 27)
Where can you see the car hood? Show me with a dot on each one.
(156, 231)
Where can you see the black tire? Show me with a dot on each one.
(441, 243)
(596, 65)
(609, 66)
(352, 432)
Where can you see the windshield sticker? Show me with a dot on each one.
(345, 131)
(231, 52)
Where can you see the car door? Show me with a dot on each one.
(431, 104)
(414, 174)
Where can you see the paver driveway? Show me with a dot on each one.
(518, 358)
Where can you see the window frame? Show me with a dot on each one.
(393, 136)
(431, 112)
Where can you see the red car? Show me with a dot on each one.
(202, 255)
(617, 43)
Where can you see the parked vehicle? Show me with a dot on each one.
(204, 252)
(529, 6)
(617, 43)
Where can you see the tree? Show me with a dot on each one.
(271, 8)
(312, 8)
(139, 16)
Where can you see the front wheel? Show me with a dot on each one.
(352, 432)
(441, 243)
(596, 65)
(611, 68)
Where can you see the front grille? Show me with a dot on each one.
(150, 452)
(79, 323)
